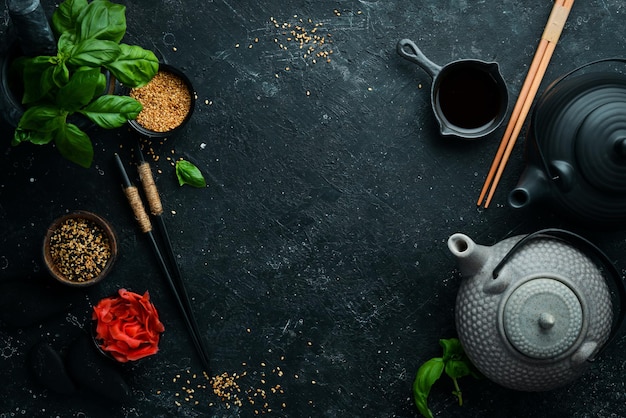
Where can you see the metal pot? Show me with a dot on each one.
(576, 148)
(469, 97)
(533, 311)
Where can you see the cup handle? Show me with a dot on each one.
(408, 50)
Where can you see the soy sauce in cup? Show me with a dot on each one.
(469, 97)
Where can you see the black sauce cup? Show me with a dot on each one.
(469, 97)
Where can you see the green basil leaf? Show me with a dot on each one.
(458, 368)
(102, 20)
(43, 118)
(452, 349)
(135, 66)
(94, 53)
(101, 86)
(66, 15)
(109, 111)
(60, 76)
(427, 375)
(65, 45)
(74, 145)
(188, 173)
(37, 76)
(80, 89)
(35, 137)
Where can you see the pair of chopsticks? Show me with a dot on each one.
(538, 67)
(172, 274)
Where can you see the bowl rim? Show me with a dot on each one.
(100, 222)
(154, 134)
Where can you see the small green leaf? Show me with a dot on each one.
(42, 118)
(188, 173)
(94, 53)
(451, 348)
(66, 15)
(74, 145)
(110, 111)
(65, 45)
(427, 375)
(35, 137)
(80, 89)
(60, 76)
(457, 363)
(38, 72)
(458, 368)
(135, 66)
(102, 20)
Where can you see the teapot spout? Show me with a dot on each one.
(470, 256)
(532, 186)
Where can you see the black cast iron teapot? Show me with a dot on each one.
(576, 147)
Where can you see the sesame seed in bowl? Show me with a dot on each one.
(168, 101)
(79, 249)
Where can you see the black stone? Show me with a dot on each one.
(30, 301)
(95, 373)
(48, 369)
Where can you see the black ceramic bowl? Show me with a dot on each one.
(87, 262)
(166, 68)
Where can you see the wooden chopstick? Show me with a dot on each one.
(182, 300)
(537, 70)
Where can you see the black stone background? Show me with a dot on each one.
(319, 245)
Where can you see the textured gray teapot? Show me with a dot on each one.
(534, 310)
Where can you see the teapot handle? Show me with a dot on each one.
(580, 68)
(578, 241)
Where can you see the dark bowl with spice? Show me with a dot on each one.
(168, 101)
(79, 249)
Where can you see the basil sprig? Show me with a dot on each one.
(454, 363)
(188, 173)
(55, 87)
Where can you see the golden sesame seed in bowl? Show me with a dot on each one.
(168, 101)
(79, 249)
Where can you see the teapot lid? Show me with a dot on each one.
(543, 318)
(601, 147)
(579, 141)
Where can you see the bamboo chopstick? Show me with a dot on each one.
(156, 209)
(537, 69)
(146, 227)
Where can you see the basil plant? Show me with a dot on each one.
(73, 82)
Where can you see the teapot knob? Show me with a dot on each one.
(546, 321)
(543, 317)
(620, 147)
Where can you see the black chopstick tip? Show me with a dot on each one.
(120, 165)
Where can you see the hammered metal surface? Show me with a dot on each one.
(477, 313)
(523, 313)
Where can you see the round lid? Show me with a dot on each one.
(543, 318)
(601, 147)
(579, 127)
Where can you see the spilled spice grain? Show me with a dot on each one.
(306, 36)
(166, 101)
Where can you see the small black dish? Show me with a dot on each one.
(166, 68)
